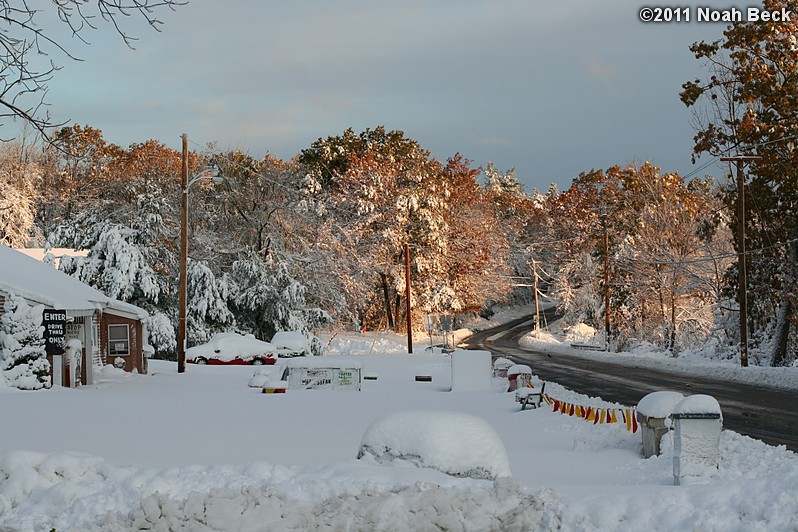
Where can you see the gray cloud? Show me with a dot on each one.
(550, 88)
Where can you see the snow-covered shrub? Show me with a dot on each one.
(23, 360)
(455, 443)
(161, 332)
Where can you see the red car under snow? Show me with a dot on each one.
(232, 348)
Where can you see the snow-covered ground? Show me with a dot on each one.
(202, 451)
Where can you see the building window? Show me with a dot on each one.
(119, 340)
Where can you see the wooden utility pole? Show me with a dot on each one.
(407, 294)
(181, 316)
(742, 280)
(537, 305)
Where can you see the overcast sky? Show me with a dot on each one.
(550, 88)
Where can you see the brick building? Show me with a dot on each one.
(110, 331)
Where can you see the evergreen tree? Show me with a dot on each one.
(268, 299)
(23, 360)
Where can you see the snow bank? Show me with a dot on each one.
(452, 442)
(87, 494)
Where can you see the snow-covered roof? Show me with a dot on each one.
(57, 253)
(41, 283)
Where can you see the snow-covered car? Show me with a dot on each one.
(291, 344)
(232, 348)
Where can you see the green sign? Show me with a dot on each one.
(345, 378)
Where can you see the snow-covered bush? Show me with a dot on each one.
(161, 331)
(455, 443)
(23, 360)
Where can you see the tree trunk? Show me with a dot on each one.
(397, 308)
(672, 338)
(387, 296)
(782, 333)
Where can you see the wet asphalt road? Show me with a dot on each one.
(769, 414)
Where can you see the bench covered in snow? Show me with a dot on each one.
(530, 396)
(588, 347)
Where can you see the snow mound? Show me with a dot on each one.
(697, 404)
(659, 404)
(455, 443)
(260, 377)
(503, 363)
(580, 332)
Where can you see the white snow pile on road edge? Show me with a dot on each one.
(86, 493)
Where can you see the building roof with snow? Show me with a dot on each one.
(41, 283)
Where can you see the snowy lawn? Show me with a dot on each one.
(203, 451)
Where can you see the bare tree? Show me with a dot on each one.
(27, 49)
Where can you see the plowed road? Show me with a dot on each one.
(769, 414)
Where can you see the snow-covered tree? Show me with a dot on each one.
(268, 299)
(380, 190)
(135, 264)
(747, 103)
(20, 180)
(23, 360)
(207, 303)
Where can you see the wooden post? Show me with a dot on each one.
(537, 304)
(181, 317)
